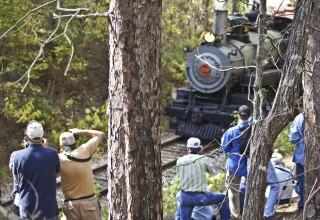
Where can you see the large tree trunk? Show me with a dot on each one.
(268, 129)
(134, 156)
(264, 153)
(311, 82)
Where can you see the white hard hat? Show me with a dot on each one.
(276, 158)
(193, 143)
(34, 131)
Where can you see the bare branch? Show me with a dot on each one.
(222, 70)
(309, 199)
(94, 15)
(1, 68)
(37, 57)
(316, 29)
(26, 15)
(70, 42)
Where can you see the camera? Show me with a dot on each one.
(76, 136)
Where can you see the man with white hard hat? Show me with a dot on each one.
(285, 178)
(192, 169)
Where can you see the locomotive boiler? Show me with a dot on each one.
(221, 72)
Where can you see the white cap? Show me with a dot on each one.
(35, 131)
(66, 139)
(193, 143)
(276, 158)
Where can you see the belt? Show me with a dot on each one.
(85, 197)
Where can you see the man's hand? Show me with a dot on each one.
(45, 142)
(75, 130)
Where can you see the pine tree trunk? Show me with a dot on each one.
(134, 156)
(267, 130)
(311, 82)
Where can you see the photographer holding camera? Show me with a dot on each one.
(76, 174)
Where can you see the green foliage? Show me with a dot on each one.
(94, 118)
(282, 144)
(32, 108)
(97, 189)
(169, 196)
(182, 25)
(55, 100)
(62, 216)
(104, 212)
(215, 184)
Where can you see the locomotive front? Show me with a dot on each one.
(221, 75)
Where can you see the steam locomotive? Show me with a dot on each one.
(221, 72)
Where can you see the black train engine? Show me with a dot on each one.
(221, 76)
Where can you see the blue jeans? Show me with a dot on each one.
(269, 208)
(198, 212)
(188, 200)
(300, 184)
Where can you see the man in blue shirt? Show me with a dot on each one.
(35, 169)
(236, 163)
(296, 137)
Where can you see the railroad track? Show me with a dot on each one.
(171, 149)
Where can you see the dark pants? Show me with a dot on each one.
(300, 184)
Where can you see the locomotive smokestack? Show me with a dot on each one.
(220, 19)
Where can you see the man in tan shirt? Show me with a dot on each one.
(76, 174)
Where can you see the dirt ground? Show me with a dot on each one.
(289, 212)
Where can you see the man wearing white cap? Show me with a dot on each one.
(35, 169)
(192, 169)
(285, 178)
(76, 174)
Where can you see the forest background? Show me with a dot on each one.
(79, 98)
(62, 96)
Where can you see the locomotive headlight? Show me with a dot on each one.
(209, 37)
(233, 52)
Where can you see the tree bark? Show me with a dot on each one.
(311, 98)
(235, 5)
(134, 155)
(267, 130)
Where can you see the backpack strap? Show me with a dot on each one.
(77, 159)
(282, 169)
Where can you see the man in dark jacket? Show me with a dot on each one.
(236, 163)
(35, 169)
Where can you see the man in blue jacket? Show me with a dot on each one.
(35, 170)
(236, 163)
(296, 137)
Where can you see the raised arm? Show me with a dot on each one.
(96, 136)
